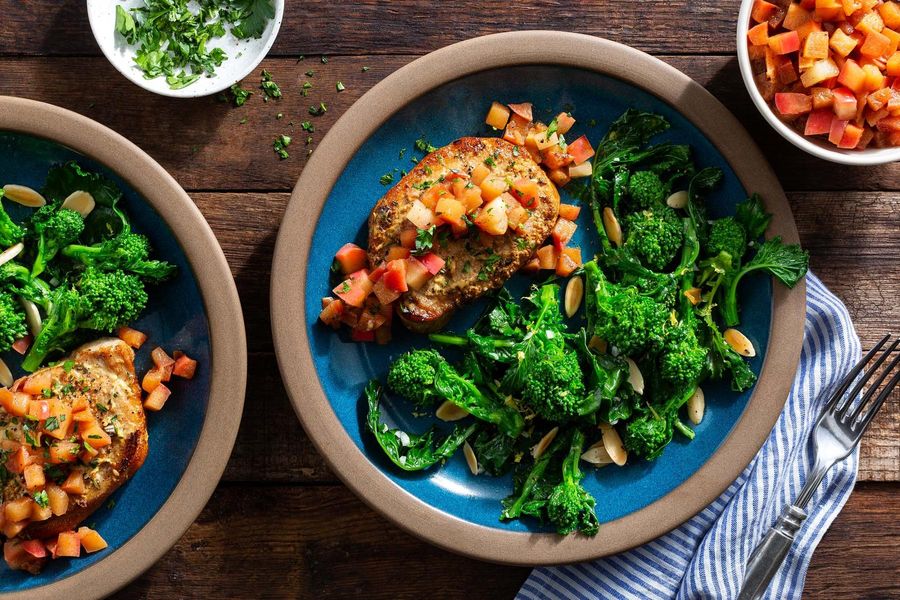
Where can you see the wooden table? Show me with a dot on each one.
(280, 524)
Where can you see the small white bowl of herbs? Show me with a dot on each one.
(185, 48)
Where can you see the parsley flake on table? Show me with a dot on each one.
(319, 110)
(307, 126)
(280, 146)
(239, 95)
(268, 86)
(387, 179)
(340, 86)
(422, 145)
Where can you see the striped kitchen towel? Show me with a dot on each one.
(705, 557)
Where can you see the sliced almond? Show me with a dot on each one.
(538, 449)
(597, 455)
(450, 412)
(597, 343)
(613, 444)
(678, 199)
(582, 170)
(32, 316)
(11, 252)
(612, 227)
(23, 195)
(6, 376)
(81, 202)
(696, 406)
(574, 294)
(635, 377)
(471, 459)
(739, 342)
(693, 295)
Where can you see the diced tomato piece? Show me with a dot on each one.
(163, 362)
(889, 124)
(432, 195)
(523, 109)
(562, 232)
(36, 383)
(759, 34)
(822, 98)
(15, 403)
(851, 137)
(763, 11)
(355, 288)
(569, 260)
(492, 217)
(396, 252)
(852, 76)
(408, 237)
(154, 377)
(39, 409)
(63, 452)
(34, 477)
(547, 257)
(384, 294)
(18, 510)
(559, 176)
(371, 319)
(822, 70)
(420, 215)
(357, 335)
(451, 211)
(844, 104)
(432, 262)
(90, 540)
(417, 274)
(526, 191)
(68, 544)
(816, 45)
(784, 43)
(531, 267)
(785, 73)
(569, 211)
(793, 104)
(837, 131)
(40, 513)
(516, 214)
(497, 116)
(58, 500)
(155, 401)
(564, 122)
(516, 130)
(35, 548)
(555, 157)
(331, 312)
(132, 337)
(479, 173)
(892, 67)
(890, 13)
(185, 366)
(395, 275)
(351, 258)
(22, 344)
(795, 17)
(74, 483)
(59, 424)
(580, 150)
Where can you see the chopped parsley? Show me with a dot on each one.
(424, 240)
(308, 126)
(319, 110)
(172, 37)
(52, 423)
(239, 95)
(422, 145)
(364, 69)
(41, 499)
(553, 127)
(423, 185)
(310, 73)
(304, 89)
(340, 86)
(268, 86)
(387, 179)
(324, 60)
(487, 268)
(489, 161)
(280, 146)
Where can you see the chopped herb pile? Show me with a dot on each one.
(176, 40)
(268, 86)
(280, 146)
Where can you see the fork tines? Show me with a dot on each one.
(841, 401)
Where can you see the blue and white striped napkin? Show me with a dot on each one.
(705, 557)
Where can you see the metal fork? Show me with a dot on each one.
(837, 432)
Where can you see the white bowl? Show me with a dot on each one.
(243, 55)
(814, 146)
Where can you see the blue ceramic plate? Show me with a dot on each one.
(177, 317)
(454, 109)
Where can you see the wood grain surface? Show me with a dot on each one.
(280, 525)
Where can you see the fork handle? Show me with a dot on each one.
(767, 557)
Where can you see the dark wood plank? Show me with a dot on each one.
(321, 542)
(204, 145)
(409, 27)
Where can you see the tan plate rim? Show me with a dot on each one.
(289, 282)
(228, 346)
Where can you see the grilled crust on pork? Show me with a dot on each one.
(103, 373)
(475, 264)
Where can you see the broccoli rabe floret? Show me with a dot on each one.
(17, 280)
(622, 316)
(647, 435)
(127, 251)
(727, 235)
(53, 227)
(570, 507)
(646, 189)
(654, 236)
(555, 387)
(412, 376)
(10, 233)
(12, 321)
(682, 357)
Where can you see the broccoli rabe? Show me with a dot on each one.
(17, 280)
(681, 357)
(654, 236)
(12, 321)
(570, 507)
(127, 251)
(413, 374)
(727, 235)
(648, 434)
(555, 387)
(646, 189)
(10, 232)
(53, 227)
